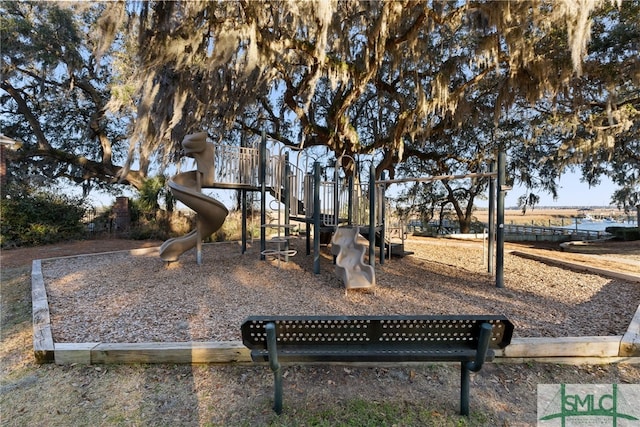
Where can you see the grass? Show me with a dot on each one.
(240, 395)
(15, 297)
(364, 413)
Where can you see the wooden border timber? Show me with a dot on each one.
(43, 346)
(630, 344)
(155, 352)
(629, 277)
(575, 350)
(594, 346)
(571, 360)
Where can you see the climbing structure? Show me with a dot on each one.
(299, 193)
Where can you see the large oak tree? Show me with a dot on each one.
(55, 98)
(403, 81)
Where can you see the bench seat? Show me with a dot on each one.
(370, 354)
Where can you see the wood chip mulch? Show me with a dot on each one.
(124, 297)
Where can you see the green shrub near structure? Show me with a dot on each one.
(624, 233)
(38, 218)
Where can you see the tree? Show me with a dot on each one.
(357, 77)
(399, 81)
(149, 196)
(458, 151)
(591, 123)
(594, 123)
(55, 97)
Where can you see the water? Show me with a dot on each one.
(597, 225)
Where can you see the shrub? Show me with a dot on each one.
(624, 233)
(36, 218)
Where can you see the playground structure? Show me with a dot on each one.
(301, 196)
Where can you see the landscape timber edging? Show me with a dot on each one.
(630, 344)
(574, 350)
(43, 345)
(629, 277)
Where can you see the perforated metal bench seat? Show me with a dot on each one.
(352, 339)
(354, 354)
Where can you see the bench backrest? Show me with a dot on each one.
(418, 331)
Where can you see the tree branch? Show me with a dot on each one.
(24, 109)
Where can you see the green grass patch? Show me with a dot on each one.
(15, 297)
(363, 413)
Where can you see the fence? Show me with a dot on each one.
(573, 234)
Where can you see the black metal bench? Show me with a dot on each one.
(352, 339)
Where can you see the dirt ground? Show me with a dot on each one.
(502, 394)
(23, 256)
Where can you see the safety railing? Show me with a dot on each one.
(236, 165)
(548, 231)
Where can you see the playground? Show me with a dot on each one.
(149, 301)
(183, 301)
(171, 295)
(240, 395)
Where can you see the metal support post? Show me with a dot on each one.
(464, 389)
(336, 192)
(199, 224)
(467, 367)
(275, 367)
(383, 228)
(502, 159)
(350, 200)
(372, 217)
(316, 218)
(263, 195)
(491, 219)
(287, 205)
(244, 221)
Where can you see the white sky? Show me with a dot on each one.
(571, 192)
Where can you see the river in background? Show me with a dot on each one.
(597, 225)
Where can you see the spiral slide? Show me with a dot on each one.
(211, 215)
(350, 265)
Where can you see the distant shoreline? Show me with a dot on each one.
(557, 216)
(553, 208)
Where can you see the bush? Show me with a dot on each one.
(38, 218)
(624, 233)
(162, 226)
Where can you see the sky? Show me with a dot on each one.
(572, 192)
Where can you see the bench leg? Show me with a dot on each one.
(275, 367)
(464, 389)
(467, 367)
